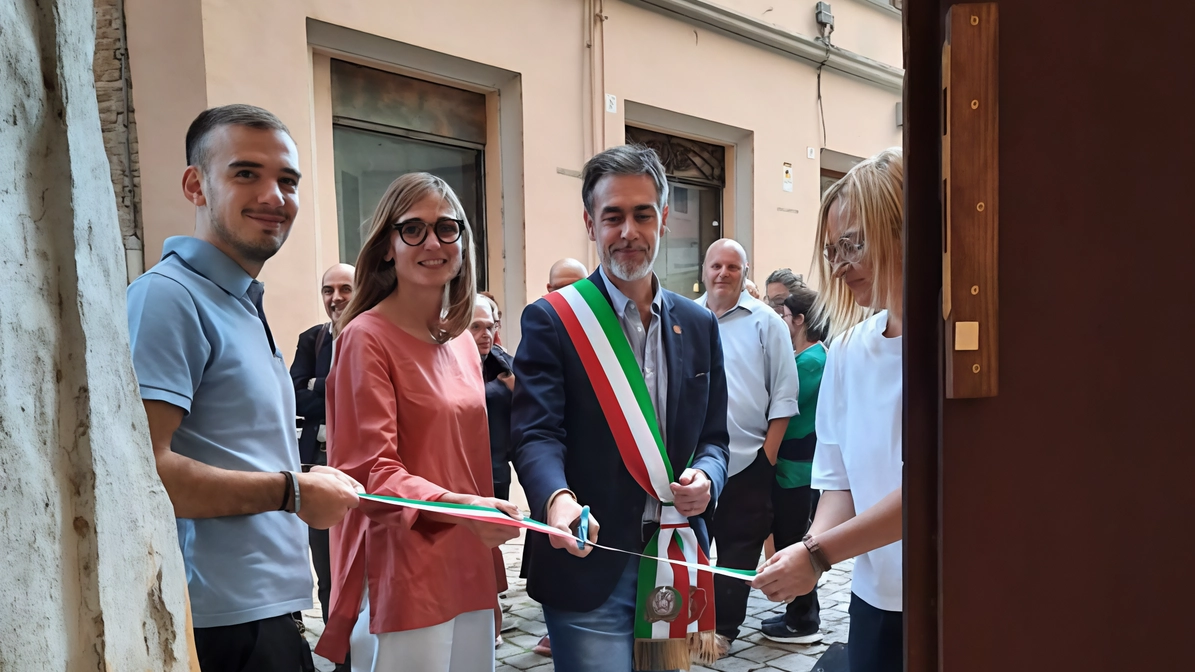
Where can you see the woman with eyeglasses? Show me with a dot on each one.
(412, 591)
(857, 462)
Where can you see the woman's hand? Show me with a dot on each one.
(787, 575)
(490, 534)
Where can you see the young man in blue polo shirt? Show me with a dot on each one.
(220, 402)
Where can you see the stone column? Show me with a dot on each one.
(92, 577)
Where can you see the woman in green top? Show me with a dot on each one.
(792, 498)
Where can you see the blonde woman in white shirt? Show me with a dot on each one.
(858, 461)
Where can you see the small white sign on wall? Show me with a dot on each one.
(611, 103)
(788, 177)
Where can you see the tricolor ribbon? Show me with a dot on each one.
(497, 517)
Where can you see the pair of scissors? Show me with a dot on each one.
(583, 527)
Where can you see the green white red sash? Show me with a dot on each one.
(675, 604)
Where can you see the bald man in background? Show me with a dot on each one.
(564, 273)
(313, 359)
(761, 391)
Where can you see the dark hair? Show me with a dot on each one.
(785, 276)
(800, 302)
(623, 160)
(228, 115)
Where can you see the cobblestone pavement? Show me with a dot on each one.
(524, 623)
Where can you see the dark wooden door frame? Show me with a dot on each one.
(923, 333)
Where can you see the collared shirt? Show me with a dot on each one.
(647, 343)
(761, 375)
(200, 342)
(648, 346)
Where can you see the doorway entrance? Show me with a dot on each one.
(696, 174)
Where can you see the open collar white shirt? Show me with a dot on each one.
(761, 375)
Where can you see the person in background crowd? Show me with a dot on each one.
(220, 403)
(780, 284)
(751, 289)
(857, 463)
(497, 371)
(564, 273)
(497, 317)
(565, 452)
(761, 386)
(792, 498)
(313, 359)
(499, 383)
(406, 406)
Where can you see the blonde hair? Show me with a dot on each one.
(375, 278)
(870, 196)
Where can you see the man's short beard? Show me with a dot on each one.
(259, 253)
(630, 274)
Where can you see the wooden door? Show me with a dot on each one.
(1052, 527)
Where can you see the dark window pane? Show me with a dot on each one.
(381, 97)
(366, 164)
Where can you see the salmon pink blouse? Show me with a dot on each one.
(406, 418)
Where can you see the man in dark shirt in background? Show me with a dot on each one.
(496, 367)
(313, 359)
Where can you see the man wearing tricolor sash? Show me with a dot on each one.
(621, 407)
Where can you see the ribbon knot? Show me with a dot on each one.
(669, 516)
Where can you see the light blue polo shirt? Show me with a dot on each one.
(198, 343)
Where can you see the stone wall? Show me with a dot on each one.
(92, 577)
(114, 93)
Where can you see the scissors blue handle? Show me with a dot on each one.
(583, 528)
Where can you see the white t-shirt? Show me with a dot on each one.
(859, 442)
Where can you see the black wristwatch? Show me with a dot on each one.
(817, 557)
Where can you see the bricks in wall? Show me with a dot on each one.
(118, 123)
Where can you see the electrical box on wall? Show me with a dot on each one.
(823, 15)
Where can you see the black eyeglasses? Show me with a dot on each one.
(414, 231)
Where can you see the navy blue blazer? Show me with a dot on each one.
(561, 440)
(313, 359)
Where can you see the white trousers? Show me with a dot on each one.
(464, 644)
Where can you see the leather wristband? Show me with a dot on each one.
(817, 557)
(294, 479)
(292, 488)
(286, 491)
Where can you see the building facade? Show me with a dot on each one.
(753, 105)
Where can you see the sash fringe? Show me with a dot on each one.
(660, 655)
(703, 646)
